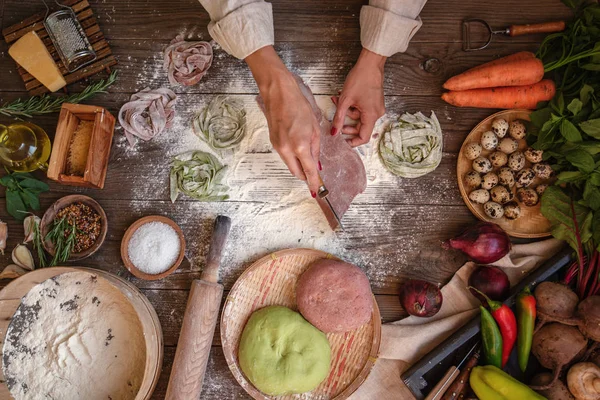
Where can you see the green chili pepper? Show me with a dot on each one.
(491, 339)
(526, 313)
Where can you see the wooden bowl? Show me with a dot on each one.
(531, 223)
(125, 247)
(10, 298)
(272, 281)
(63, 202)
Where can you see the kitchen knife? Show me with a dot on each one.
(199, 321)
(323, 193)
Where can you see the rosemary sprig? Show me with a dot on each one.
(46, 104)
(38, 245)
(63, 235)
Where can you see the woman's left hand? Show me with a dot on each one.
(361, 98)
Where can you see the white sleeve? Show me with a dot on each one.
(386, 26)
(240, 26)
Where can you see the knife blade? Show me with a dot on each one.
(323, 193)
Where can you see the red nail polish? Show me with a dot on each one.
(333, 130)
(320, 166)
(313, 194)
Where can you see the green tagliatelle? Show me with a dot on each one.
(412, 146)
(198, 176)
(221, 124)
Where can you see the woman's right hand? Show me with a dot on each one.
(293, 128)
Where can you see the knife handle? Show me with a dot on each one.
(546, 27)
(442, 386)
(460, 383)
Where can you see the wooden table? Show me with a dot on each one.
(393, 230)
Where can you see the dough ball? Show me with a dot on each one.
(281, 353)
(334, 296)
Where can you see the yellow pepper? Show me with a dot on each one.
(491, 383)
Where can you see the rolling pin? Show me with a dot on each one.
(199, 321)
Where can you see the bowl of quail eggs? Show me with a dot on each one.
(501, 178)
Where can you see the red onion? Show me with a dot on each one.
(483, 242)
(420, 298)
(491, 281)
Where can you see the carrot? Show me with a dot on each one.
(503, 97)
(515, 70)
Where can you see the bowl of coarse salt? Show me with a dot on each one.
(153, 247)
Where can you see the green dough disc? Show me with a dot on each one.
(281, 353)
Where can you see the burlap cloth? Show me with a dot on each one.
(404, 342)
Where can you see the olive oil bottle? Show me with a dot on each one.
(24, 147)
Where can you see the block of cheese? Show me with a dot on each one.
(29, 51)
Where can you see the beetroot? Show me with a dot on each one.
(421, 298)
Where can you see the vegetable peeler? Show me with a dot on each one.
(513, 30)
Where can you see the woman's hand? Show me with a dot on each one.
(361, 98)
(293, 128)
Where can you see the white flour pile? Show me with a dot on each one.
(74, 336)
(154, 247)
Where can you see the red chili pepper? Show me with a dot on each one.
(507, 323)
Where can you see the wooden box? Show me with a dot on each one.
(99, 147)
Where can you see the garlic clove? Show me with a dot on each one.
(29, 225)
(3, 236)
(22, 257)
(12, 271)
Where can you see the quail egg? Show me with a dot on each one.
(493, 209)
(527, 196)
(489, 181)
(489, 140)
(516, 161)
(506, 177)
(479, 196)
(508, 145)
(501, 194)
(543, 170)
(498, 159)
(482, 165)
(533, 155)
(512, 210)
(500, 127)
(472, 151)
(473, 179)
(525, 177)
(540, 189)
(517, 129)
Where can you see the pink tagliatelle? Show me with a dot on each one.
(147, 114)
(187, 62)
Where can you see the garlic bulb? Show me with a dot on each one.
(29, 226)
(22, 257)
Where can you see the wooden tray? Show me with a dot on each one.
(272, 280)
(531, 223)
(85, 15)
(10, 298)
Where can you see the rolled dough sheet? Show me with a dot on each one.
(343, 173)
(74, 336)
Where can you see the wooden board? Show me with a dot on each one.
(104, 57)
(272, 281)
(531, 223)
(10, 298)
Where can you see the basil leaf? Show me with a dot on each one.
(570, 131)
(591, 194)
(539, 117)
(591, 127)
(570, 176)
(595, 178)
(7, 180)
(585, 93)
(581, 159)
(31, 199)
(575, 106)
(15, 206)
(34, 184)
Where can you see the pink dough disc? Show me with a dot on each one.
(334, 296)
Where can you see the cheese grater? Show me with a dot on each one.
(68, 37)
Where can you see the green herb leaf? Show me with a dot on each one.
(570, 176)
(575, 106)
(591, 127)
(539, 117)
(595, 178)
(585, 93)
(582, 160)
(591, 194)
(15, 206)
(30, 199)
(570, 131)
(34, 184)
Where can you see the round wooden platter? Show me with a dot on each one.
(272, 281)
(531, 223)
(10, 298)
